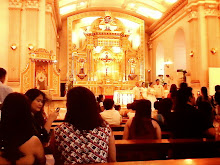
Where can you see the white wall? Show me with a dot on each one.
(167, 39)
(214, 79)
(159, 60)
(179, 50)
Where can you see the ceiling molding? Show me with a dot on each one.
(147, 20)
(167, 15)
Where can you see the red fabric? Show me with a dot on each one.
(109, 97)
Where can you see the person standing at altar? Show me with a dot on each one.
(144, 90)
(137, 90)
(4, 89)
(166, 90)
(151, 94)
(110, 115)
(159, 91)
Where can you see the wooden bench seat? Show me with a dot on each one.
(132, 150)
(119, 134)
(204, 161)
(118, 128)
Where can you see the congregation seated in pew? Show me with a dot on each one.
(188, 122)
(84, 137)
(164, 113)
(18, 143)
(131, 110)
(110, 115)
(142, 126)
(41, 122)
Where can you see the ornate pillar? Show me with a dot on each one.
(213, 33)
(204, 35)
(150, 61)
(23, 46)
(15, 37)
(193, 31)
(89, 61)
(203, 47)
(198, 45)
(41, 24)
(92, 65)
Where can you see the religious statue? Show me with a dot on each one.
(132, 63)
(81, 74)
(41, 81)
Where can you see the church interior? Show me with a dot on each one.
(53, 44)
(108, 46)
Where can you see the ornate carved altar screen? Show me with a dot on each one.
(104, 53)
(41, 73)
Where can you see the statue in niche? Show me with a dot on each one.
(41, 76)
(132, 63)
(81, 74)
(132, 69)
(41, 81)
(81, 70)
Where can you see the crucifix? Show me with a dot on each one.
(106, 60)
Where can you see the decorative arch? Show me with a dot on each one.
(159, 59)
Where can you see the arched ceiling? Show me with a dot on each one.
(152, 9)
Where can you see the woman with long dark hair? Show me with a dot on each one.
(42, 123)
(188, 122)
(18, 145)
(172, 95)
(164, 113)
(142, 126)
(203, 97)
(84, 137)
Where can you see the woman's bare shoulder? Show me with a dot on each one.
(31, 144)
(155, 124)
(128, 123)
(34, 140)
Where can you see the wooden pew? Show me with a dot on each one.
(204, 161)
(133, 150)
(54, 124)
(118, 128)
(124, 120)
(118, 131)
(119, 135)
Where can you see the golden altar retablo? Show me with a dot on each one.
(105, 54)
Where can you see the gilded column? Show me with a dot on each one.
(150, 61)
(202, 40)
(23, 45)
(212, 19)
(4, 33)
(14, 37)
(41, 24)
